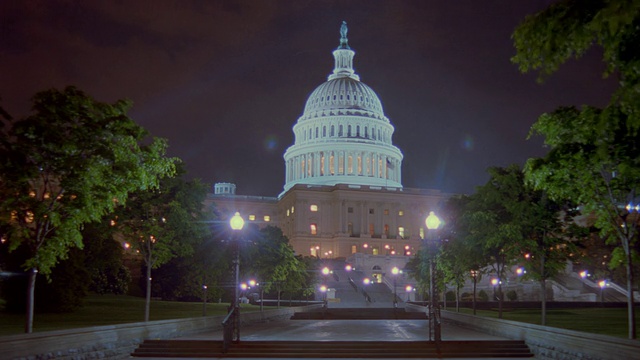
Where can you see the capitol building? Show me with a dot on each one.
(343, 195)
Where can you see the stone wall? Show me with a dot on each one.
(118, 341)
(549, 342)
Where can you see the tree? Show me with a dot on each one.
(69, 163)
(594, 160)
(456, 258)
(163, 223)
(548, 232)
(491, 228)
(275, 263)
(568, 28)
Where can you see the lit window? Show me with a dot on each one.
(401, 231)
(292, 209)
(287, 212)
(314, 229)
(252, 217)
(400, 213)
(422, 233)
(313, 207)
(386, 229)
(267, 218)
(386, 211)
(371, 229)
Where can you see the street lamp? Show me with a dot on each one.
(433, 223)
(474, 275)
(408, 289)
(602, 284)
(236, 223)
(395, 272)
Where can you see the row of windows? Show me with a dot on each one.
(375, 250)
(314, 208)
(266, 218)
(313, 229)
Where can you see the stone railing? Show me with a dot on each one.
(119, 341)
(548, 342)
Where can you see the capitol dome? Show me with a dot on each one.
(343, 93)
(343, 135)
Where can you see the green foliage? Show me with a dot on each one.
(275, 264)
(482, 295)
(69, 163)
(512, 295)
(165, 222)
(595, 154)
(62, 291)
(568, 28)
(66, 165)
(450, 295)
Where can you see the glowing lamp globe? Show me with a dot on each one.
(432, 222)
(236, 222)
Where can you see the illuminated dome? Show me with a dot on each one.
(343, 135)
(343, 93)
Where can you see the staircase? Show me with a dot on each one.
(334, 349)
(359, 314)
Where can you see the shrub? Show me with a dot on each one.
(482, 296)
(512, 295)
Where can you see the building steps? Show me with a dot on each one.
(335, 349)
(359, 314)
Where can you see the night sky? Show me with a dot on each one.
(225, 81)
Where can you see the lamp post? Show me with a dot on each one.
(433, 223)
(236, 223)
(602, 284)
(409, 290)
(395, 272)
(204, 300)
(474, 275)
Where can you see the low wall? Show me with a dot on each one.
(119, 341)
(549, 342)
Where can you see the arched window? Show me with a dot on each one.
(324, 131)
(333, 133)
(317, 130)
(349, 131)
(340, 131)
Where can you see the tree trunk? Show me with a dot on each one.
(543, 289)
(500, 299)
(631, 310)
(31, 287)
(148, 301)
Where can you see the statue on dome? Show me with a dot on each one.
(343, 35)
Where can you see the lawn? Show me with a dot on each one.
(606, 321)
(109, 310)
(116, 309)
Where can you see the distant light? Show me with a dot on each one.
(494, 281)
(348, 267)
(583, 274)
(323, 288)
(408, 288)
(366, 281)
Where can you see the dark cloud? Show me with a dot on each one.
(225, 81)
